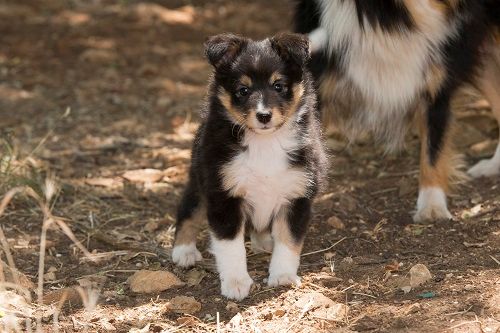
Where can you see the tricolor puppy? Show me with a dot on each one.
(257, 161)
(380, 63)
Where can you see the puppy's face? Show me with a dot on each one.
(259, 82)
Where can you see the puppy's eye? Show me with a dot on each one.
(279, 87)
(243, 91)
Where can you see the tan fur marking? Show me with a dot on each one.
(298, 92)
(246, 80)
(281, 231)
(434, 80)
(439, 174)
(275, 77)
(190, 228)
(421, 17)
(436, 4)
(225, 99)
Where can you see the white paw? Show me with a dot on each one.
(283, 280)
(432, 213)
(261, 242)
(185, 255)
(431, 205)
(236, 288)
(485, 168)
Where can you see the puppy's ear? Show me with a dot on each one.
(292, 47)
(224, 48)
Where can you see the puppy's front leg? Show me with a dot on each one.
(288, 231)
(227, 233)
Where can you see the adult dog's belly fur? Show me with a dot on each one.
(381, 74)
(379, 62)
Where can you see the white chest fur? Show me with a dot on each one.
(387, 67)
(262, 176)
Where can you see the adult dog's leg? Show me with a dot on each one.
(489, 84)
(436, 160)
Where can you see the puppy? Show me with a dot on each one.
(381, 63)
(258, 159)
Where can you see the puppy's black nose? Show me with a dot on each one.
(263, 117)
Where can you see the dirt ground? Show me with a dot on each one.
(92, 91)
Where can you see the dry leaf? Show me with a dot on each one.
(186, 321)
(184, 304)
(335, 312)
(195, 276)
(69, 294)
(104, 182)
(153, 281)
(24, 281)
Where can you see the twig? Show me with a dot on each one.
(495, 259)
(5, 245)
(324, 250)
(465, 323)
(387, 190)
(458, 312)
(362, 294)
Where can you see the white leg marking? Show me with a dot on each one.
(431, 205)
(487, 167)
(261, 242)
(186, 255)
(230, 257)
(284, 266)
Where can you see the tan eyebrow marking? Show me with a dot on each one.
(275, 77)
(246, 80)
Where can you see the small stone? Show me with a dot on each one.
(232, 307)
(313, 300)
(279, 313)
(151, 226)
(143, 175)
(419, 274)
(335, 222)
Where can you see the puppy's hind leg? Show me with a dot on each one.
(436, 160)
(190, 219)
(489, 84)
(288, 232)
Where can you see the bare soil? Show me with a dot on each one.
(92, 89)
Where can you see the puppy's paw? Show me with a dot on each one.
(283, 280)
(261, 242)
(185, 255)
(431, 205)
(485, 168)
(236, 288)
